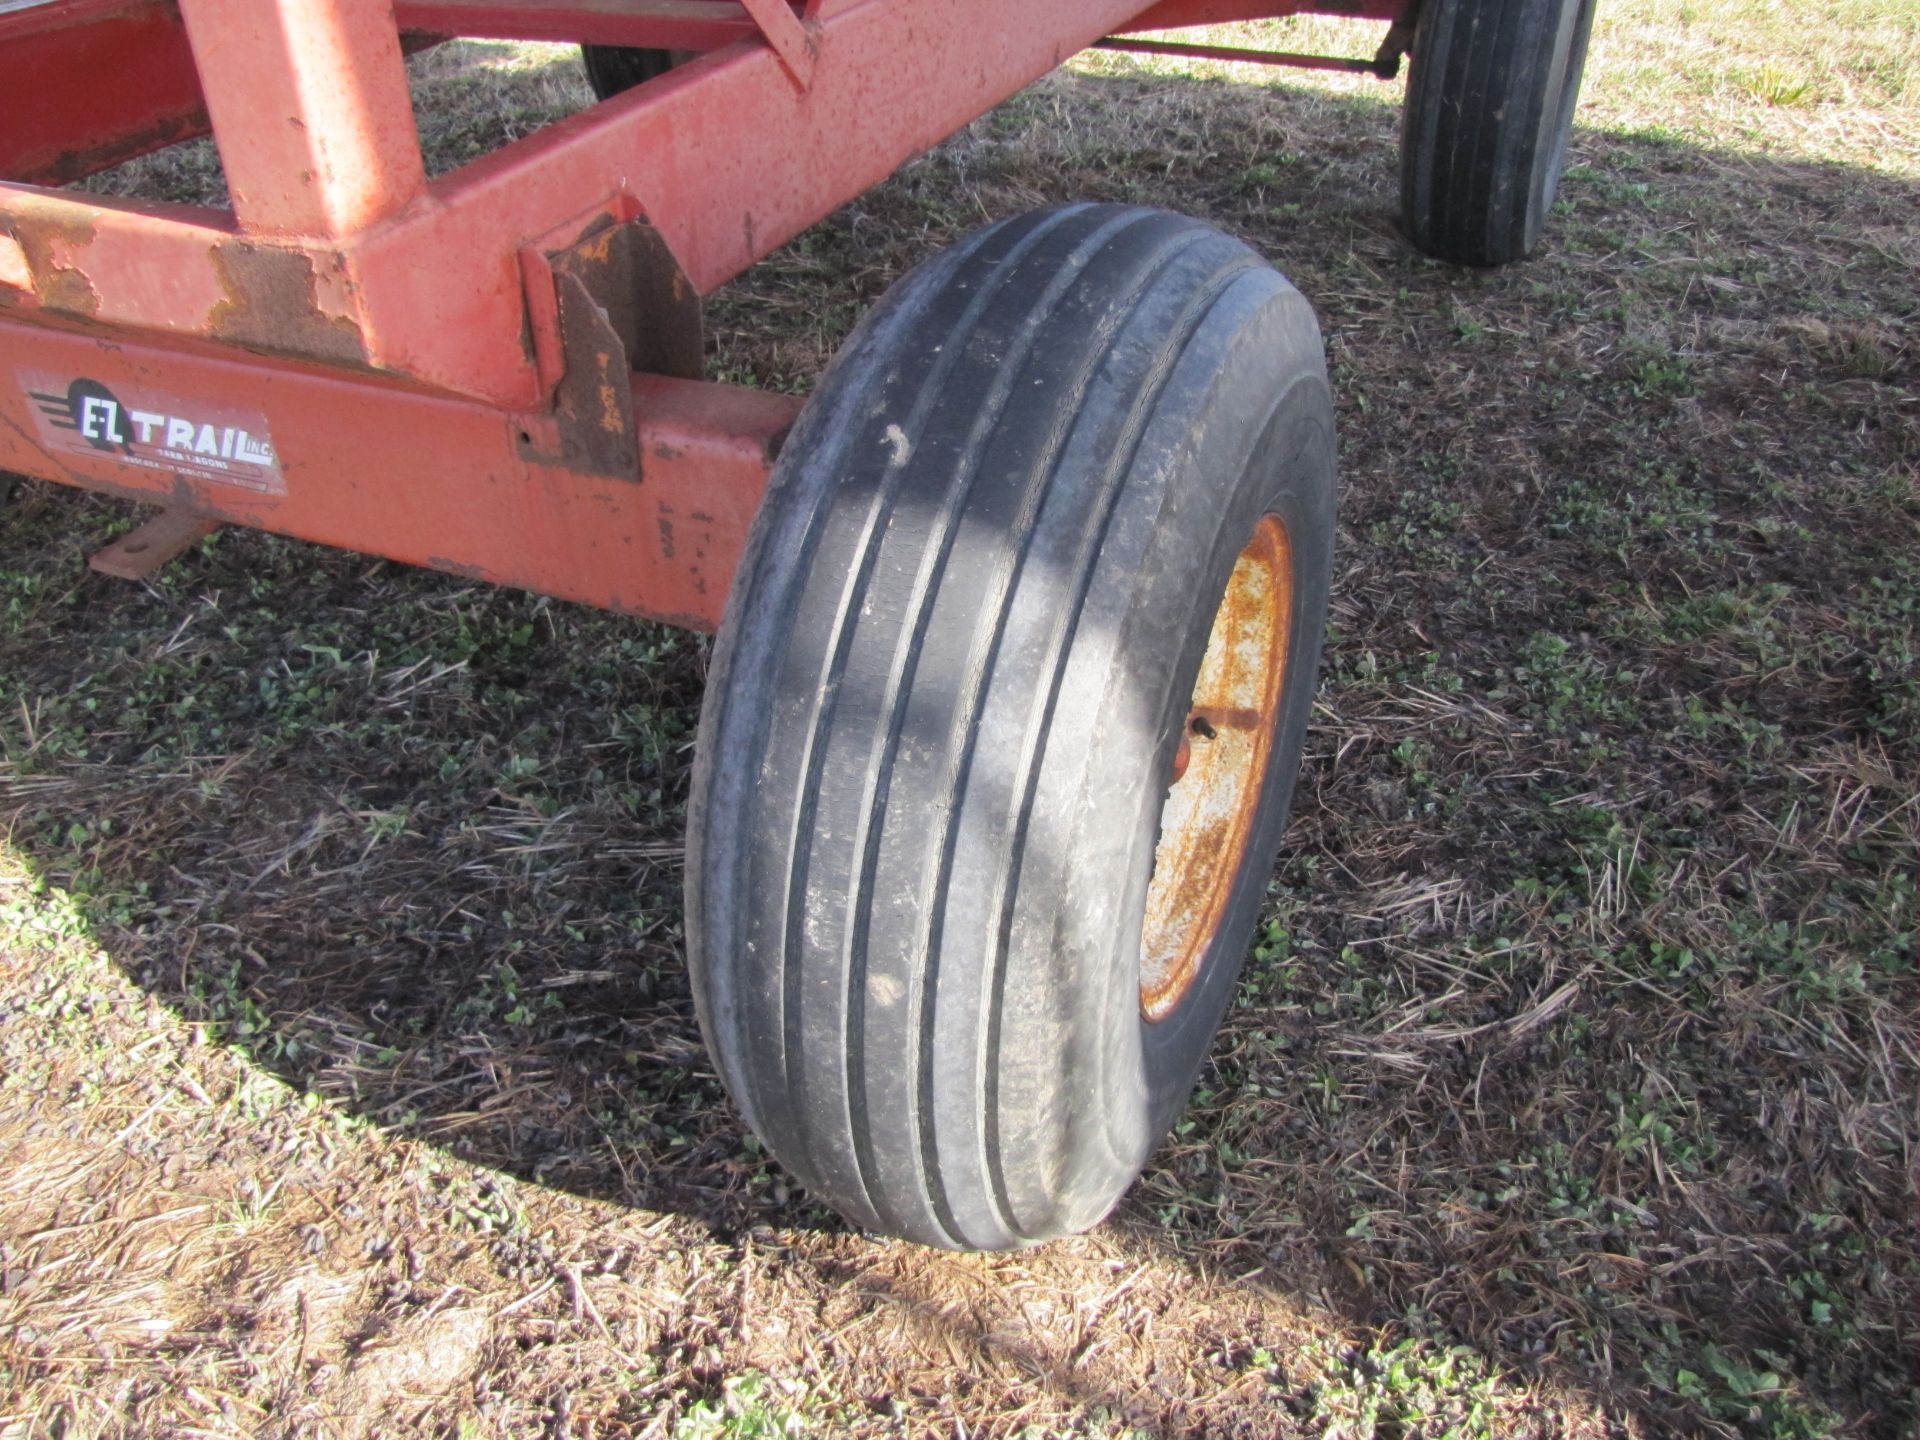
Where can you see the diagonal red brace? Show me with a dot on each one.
(792, 41)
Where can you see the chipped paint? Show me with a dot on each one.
(54, 247)
(272, 305)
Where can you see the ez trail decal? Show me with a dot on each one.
(155, 431)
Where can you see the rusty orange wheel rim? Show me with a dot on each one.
(1219, 764)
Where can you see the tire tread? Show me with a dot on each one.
(839, 804)
(1471, 135)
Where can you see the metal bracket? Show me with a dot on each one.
(1398, 41)
(143, 550)
(605, 303)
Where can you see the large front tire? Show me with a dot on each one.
(936, 958)
(1489, 111)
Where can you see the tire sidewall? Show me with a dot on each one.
(1566, 64)
(1255, 443)
(1295, 445)
(1202, 406)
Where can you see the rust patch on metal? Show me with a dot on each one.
(614, 418)
(51, 247)
(594, 401)
(69, 290)
(622, 305)
(1231, 717)
(1219, 766)
(627, 270)
(273, 307)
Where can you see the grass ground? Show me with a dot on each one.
(349, 1084)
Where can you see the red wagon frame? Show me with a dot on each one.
(495, 372)
(1007, 701)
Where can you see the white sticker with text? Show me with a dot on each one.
(154, 431)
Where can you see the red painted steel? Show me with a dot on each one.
(726, 157)
(92, 84)
(310, 111)
(371, 465)
(358, 356)
(47, 15)
(794, 43)
(164, 256)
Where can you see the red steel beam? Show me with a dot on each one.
(310, 111)
(77, 125)
(727, 157)
(375, 466)
(792, 41)
(338, 254)
(92, 83)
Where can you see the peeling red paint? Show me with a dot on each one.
(53, 247)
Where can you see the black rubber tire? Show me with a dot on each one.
(1483, 138)
(613, 68)
(942, 709)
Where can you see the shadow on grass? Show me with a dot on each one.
(415, 846)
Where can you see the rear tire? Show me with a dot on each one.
(613, 68)
(1489, 110)
(945, 708)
